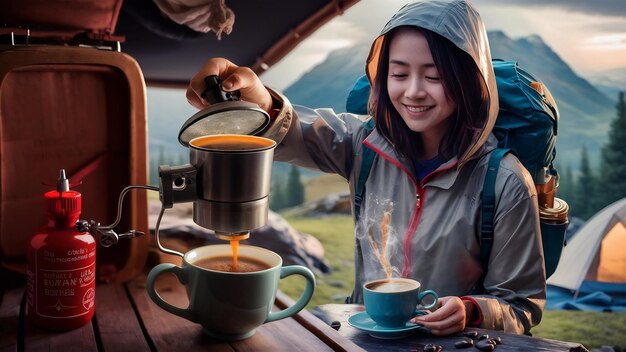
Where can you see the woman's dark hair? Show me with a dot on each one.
(463, 83)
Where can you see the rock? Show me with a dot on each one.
(296, 248)
(337, 284)
(339, 297)
(605, 348)
(333, 204)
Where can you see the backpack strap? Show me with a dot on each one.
(367, 159)
(488, 206)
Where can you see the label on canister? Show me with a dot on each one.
(64, 282)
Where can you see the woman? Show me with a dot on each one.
(434, 100)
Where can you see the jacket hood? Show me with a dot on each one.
(459, 22)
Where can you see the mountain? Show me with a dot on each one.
(328, 83)
(168, 110)
(610, 82)
(585, 112)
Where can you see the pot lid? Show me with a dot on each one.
(558, 212)
(226, 115)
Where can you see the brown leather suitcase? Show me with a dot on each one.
(83, 110)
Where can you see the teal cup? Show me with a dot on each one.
(231, 305)
(391, 303)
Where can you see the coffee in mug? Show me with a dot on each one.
(231, 305)
(392, 302)
(225, 263)
(391, 286)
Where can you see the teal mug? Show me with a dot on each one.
(231, 305)
(391, 303)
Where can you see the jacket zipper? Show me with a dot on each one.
(410, 231)
(415, 219)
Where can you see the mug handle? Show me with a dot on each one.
(421, 296)
(181, 274)
(304, 298)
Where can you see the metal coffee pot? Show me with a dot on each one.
(227, 178)
(228, 181)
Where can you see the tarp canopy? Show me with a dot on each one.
(592, 269)
(169, 49)
(262, 34)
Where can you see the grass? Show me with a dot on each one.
(592, 329)
(323, 185)
(336, 233)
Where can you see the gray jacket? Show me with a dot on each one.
(435, 224)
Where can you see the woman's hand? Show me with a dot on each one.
(233, 78)
(449, 318)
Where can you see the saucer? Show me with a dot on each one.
(363, 322)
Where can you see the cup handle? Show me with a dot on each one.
(181, 274)
(421, 296)
(304, 298)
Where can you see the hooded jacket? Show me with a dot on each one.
(434, 229)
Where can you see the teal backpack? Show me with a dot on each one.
(526, 126)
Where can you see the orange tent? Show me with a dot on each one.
(595, 258)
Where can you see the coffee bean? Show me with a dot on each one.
(471, 334)
(431, 347)
(497, 340)
(335, 325)
(485, 345)
(483, 337)
(465, 343)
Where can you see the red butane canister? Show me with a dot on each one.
(61, 272)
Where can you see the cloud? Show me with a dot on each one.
(607, 42)
(609, 8)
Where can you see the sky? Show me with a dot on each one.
(589, 35)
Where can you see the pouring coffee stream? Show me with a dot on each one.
(227, 178)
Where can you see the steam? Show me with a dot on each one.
(381, 238)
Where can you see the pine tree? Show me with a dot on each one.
(154, 171)
(182, 159)
(161, 158)
(613, 158)
(584, 192)
(277, 196)
(566, 187)
(155, 162)
(295, 188)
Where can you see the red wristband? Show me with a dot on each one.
(477, 318)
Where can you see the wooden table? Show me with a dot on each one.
(417, 341)
(127, 320)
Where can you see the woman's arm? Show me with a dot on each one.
(515, 283)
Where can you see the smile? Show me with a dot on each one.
(418, 108)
